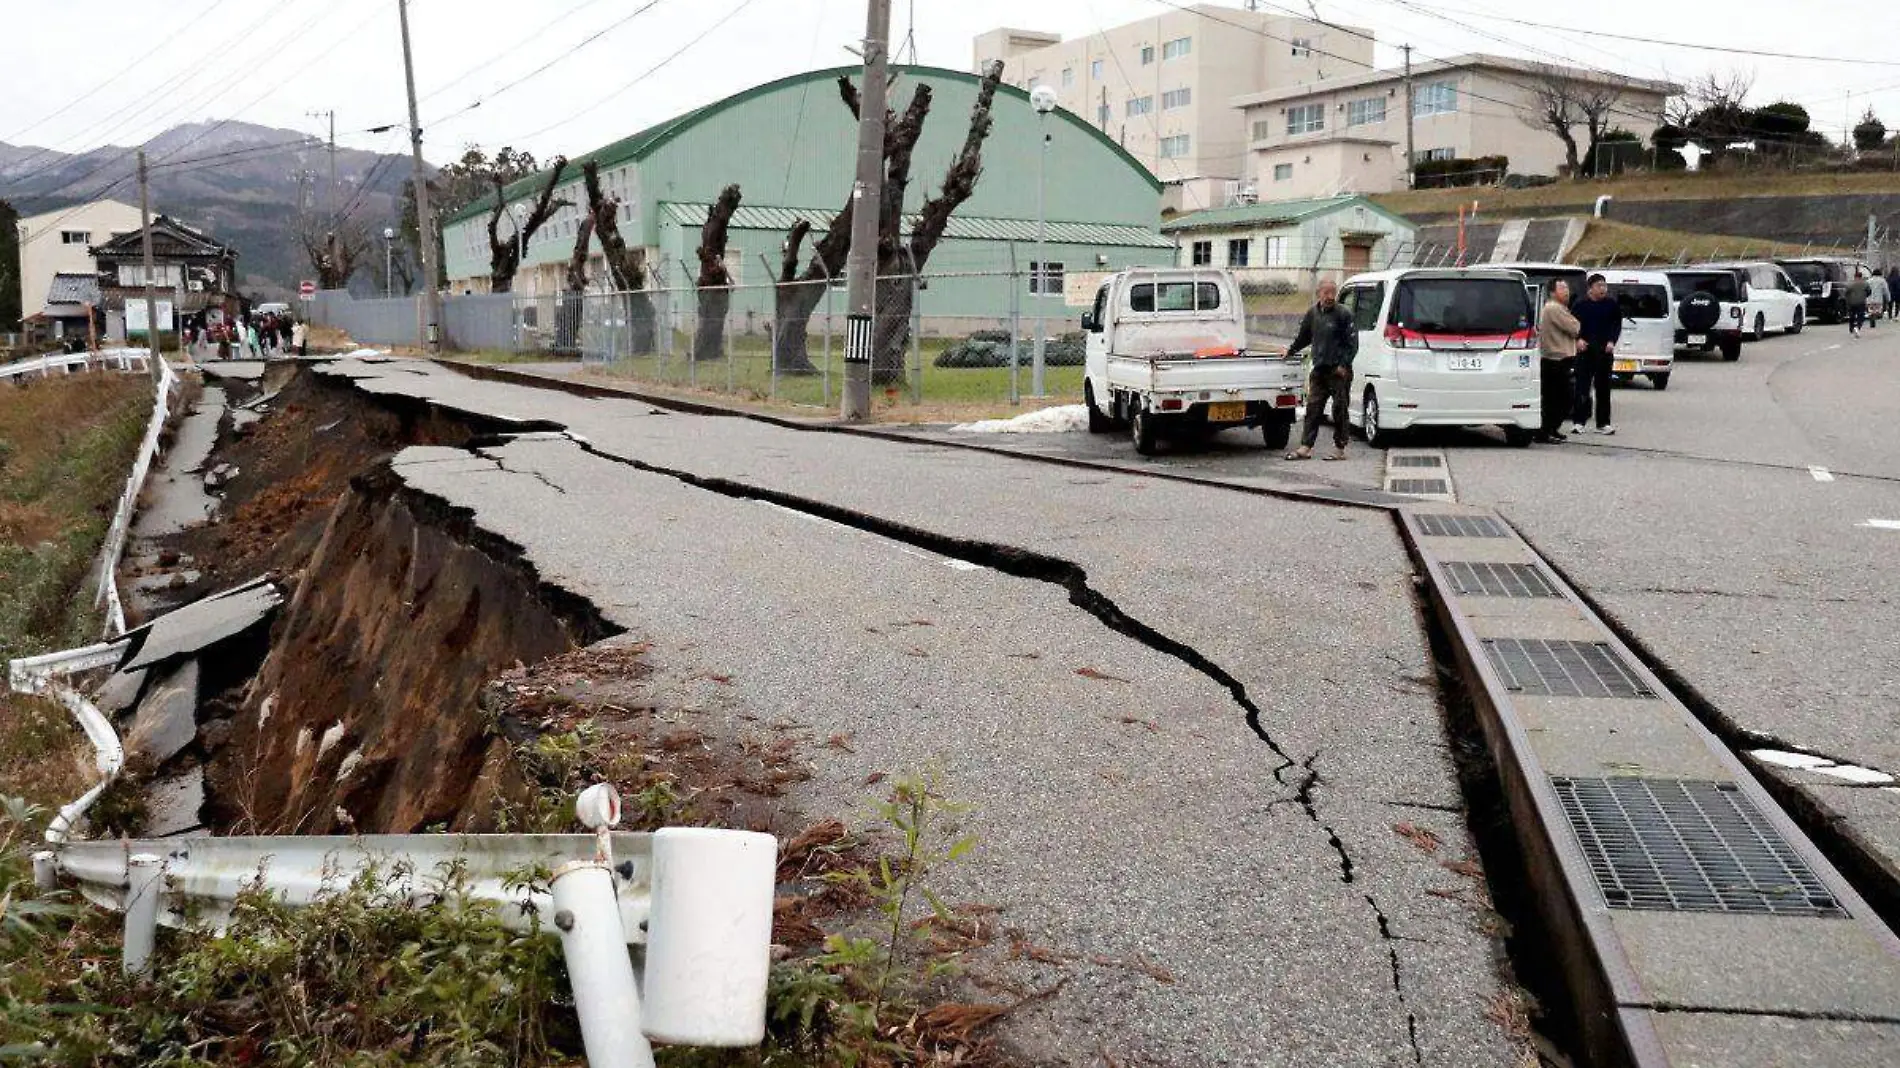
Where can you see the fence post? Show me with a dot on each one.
(45, 871)
(142, 875)
(725, 338)
(692, 346)
(772, 331)
(1015, 327)
(916, 332)
(587, 915)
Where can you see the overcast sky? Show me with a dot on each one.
(87, 72)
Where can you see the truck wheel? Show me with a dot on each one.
(1098, 423)
(1141, 427)
(1660, 381)
(1732, 350)
(1277, 431)
(1376, 436)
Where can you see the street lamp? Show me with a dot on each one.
(389, 262)
(517, 212)
(1043, 99)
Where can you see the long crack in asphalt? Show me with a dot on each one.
(1040, 567)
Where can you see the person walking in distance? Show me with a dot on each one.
(1857, 293)
(1329, 330)
(1600, 323)
(1559, 336)
(1879, 300)
(1893, 291)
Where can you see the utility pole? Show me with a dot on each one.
(331, 115)
(1411, 178)
(861, 265)
(425, 219)
(151, 302)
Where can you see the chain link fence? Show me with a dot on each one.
(949, 338)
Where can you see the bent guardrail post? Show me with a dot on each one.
(143, 875)
(599, 970)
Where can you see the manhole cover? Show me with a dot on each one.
(1418, 485)
(1562, 668)
(1414, 461)
(1679, 845)
(1498, 580)
(1439, 525)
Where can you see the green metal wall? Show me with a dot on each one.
(792, 143)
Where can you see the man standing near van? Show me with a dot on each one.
(1558, 334)
(1600, 321)
(1329, 329)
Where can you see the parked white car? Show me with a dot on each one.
(1648, 344)
(1166, 355)
(1770, 299)
(1444, 348)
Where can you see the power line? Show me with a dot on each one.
(504, 53)
(644, 75)
(1154, 125)
(590, 39)
(184, 24)
(1726, 49)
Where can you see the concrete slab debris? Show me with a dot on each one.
(202, 624)
(167, 719)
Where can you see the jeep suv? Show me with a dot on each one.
(1709, 305)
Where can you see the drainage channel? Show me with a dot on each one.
(1688, 912)
(1683, 915)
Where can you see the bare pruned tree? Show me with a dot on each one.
(715, 280)
(335, 253)
(504, 255)
(1712, 111)
(898, 256)
(626, 267)
(1560, 103)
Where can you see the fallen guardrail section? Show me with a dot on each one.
(45, 675)
(121, 528)
(1694, 922)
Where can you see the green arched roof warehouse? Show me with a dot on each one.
(791, 143)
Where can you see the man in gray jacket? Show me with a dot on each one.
(1328, 328)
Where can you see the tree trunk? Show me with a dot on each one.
(567, 321)
(627, 267)
(715, 281)
(791, 324)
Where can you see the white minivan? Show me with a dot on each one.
(1443, 348)
(1648, 344)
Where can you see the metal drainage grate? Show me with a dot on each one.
(1562, 668)
(1678, 845)
(1418, 485)
(1414, 461)
(1498, 580)
(1439, 525)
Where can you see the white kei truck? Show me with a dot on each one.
(1167, 356)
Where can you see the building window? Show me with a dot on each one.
(1275, 248)
(1237, 251)
(1176, 98)
(1435, 153)
(1101, 116)
(1365, 112)
(75, 237)
(1203, 254)
(1068, 77)
(133, 274)
(1438, 98)
(1302, 47)
(1177, 48)
(1263, 130)
(1147, 54)
(1306, 118)
(1141, 105)
(1175, 147)
(1282, 172)
(1095, 70)
(1045, 279)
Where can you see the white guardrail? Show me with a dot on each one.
(64, 362)
(121, 528)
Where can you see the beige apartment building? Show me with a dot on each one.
(1347, 134)
(60, 242)
(1164, 87)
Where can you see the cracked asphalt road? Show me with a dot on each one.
(1226, 901)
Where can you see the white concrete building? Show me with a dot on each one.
(1347, 134)
(1164, 87)
(1295, 242)
(60, 242)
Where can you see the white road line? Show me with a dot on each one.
(1831, 348)
(1882, 524)
(1821, 474)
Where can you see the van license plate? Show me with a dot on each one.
(1227, 412)
(1466, 363)
(1623, 365)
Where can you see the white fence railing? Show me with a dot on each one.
(64, 362)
